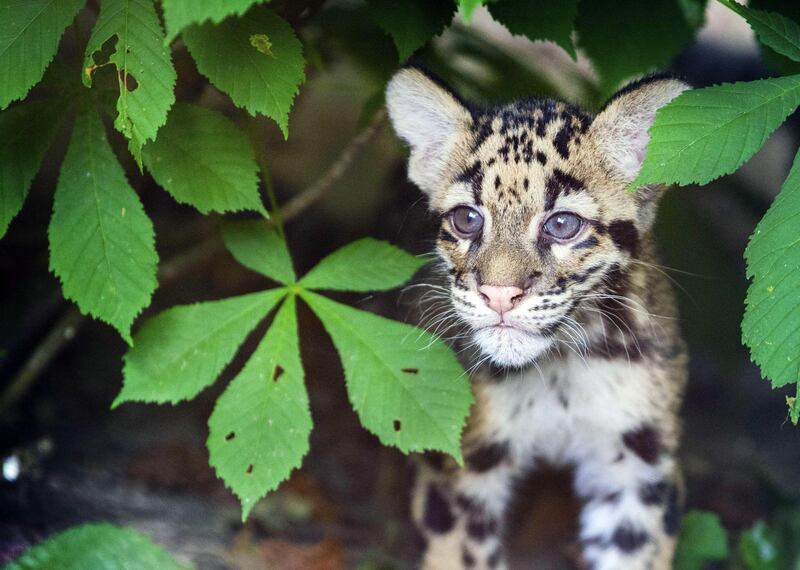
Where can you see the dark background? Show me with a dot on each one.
(146, 465)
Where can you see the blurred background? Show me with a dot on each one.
(67, 458)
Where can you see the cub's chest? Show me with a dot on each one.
(568, 407)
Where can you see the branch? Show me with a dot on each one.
(71, 320)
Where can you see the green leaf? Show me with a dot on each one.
(144, 68)
(413, 22)
(758, 549)
(468, 8)
(363, 265)
(29, 39)
(203, 159)
(405, 384)
(260, 427)
(702, 539)
(788, 9)
(26, 131)
(178, 14)
(98, 546)
(259, 247)
(773, 30)
(771, 323)
(182, 350)
(706, 133)
(101, 240)
(793, 402)
(257, 82)
(550, 20)
(625, 38)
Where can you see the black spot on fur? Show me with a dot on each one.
(541, 158)
(611, 498)
(487, 456)
(654, 493)
(562, 139)
(474, 177)
(437, 517)
(559, 182)
(625, 235)
(480, 527)
(444, 235)
(629, 539)
(467, 558)
(672, 515)
(497, 181)
(644, 442)
(435, 460)
(494, 558)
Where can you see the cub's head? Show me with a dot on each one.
(535, 216)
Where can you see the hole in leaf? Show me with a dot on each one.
(249, 470)
(230, 436)
(410, 370)
(130, 82)
(397, 425)
(278, 372)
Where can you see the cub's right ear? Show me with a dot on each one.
(430, 119)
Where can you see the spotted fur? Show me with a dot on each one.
(588, 367)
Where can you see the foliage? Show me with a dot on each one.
(98, 546)
(706, 133)
(407, 388)
(702, 539)
(405, 385)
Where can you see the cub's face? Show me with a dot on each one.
(535, 216)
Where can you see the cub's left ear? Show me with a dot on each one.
(620, 129)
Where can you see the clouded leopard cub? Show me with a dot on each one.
(551, 269)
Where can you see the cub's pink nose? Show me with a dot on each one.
(500, 299)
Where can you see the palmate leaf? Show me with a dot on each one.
(551, 20)
(260, 248)
(702, 539)
(144, 67)
(26, 131)
(256, 81)
(706, 133)
(182, 350)
(625, 38)
(178, 14)
(405, 385)
(101, 241)
(29, 36)
(98, 546)
(771, 323)
(203, 159)
(773, 30)
(363, 265)
(411, 23)
(259, 430)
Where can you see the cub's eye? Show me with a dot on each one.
(563, 225)
(466, 221)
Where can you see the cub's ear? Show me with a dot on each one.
(620, 129)
(430, 119)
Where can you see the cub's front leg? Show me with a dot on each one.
(460, 511)
(631, 486)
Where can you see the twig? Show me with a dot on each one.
(71, 320)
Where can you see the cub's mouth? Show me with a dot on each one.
(509, 345)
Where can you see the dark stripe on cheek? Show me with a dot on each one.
(444, 235)
(625, 235)
(588, 243)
